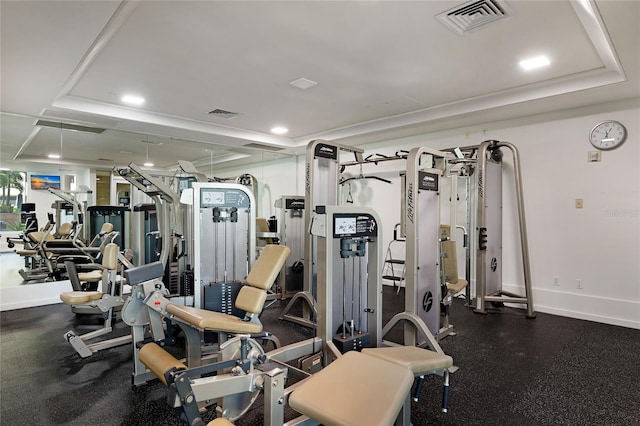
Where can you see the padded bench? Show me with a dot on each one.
(354, 390)
(420, 362)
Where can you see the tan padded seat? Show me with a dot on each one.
(91, 276)
(27, 252)
(251, 296)
(356, 389)
(419, 361)
(454, 288)
(267, 267)
(159, 361)
(109, 261)
(106, 228)
(37, 236)
(220, 421)
(209, 320)
(450, 266)
(76, 297)
(65, 229)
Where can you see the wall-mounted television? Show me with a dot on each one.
(45, 182)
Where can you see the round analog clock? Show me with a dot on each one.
(608, 135)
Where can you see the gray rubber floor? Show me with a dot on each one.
(513, 371)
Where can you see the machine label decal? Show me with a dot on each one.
(410, 202)
(326, 151)
(354, 225)
(427, 301)
(494, 264)
(307, 180)
(219, 197)
(294, 203)
(428, 181)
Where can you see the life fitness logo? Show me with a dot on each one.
(427, 301)
(410, 202)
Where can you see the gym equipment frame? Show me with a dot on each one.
(322, 182)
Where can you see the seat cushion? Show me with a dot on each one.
(419, 361)
(76, 297)
(210, 320)
(354, 390)
(91, 276)
(220, 421)
(27, 252)
(457, 287)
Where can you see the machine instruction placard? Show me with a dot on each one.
(354, 225)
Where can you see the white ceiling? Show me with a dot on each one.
(383, 69)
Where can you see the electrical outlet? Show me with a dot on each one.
(579, 284)
(556, 280)
(594, 157)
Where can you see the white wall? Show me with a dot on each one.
(598, 244)
(275, 178)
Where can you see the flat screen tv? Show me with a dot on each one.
(45, 182)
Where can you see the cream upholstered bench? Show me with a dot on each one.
(355, 390)
(420, 362)
(220, 421)
(251, 299)
(109, 263)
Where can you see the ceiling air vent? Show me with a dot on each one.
(220, 113)
(263, 147)
(474, 14)
(68, 126)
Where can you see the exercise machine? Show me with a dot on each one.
(483, 169)
(424, 294)
(118, 216)
(77, 209)
(292, 235)
(322, 181)
(145, 237)
(349, 262)
(103, 302)
(224, 242)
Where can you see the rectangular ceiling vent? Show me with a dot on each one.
(471, 15)
(67, 126)
(263, 147)
(221, 113)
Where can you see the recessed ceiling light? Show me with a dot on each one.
(303, 83)
(148, 164)
(279, 130)
(134, 100)
(53, 156)
(533, 63)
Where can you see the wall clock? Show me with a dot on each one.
(608, 135)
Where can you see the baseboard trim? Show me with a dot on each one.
(625, 313)
(31, 295)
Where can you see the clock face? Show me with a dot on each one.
(608, 135)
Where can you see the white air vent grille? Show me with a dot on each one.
(221, 113)
(263, 147)
(76, 127)
(474, 14)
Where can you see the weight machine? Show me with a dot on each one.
(292, 235)
(482, 167)
(349, 258)
(78, 208)
(424, 292)
(224, 242)
(322, 181)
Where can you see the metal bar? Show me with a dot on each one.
(523, 228)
